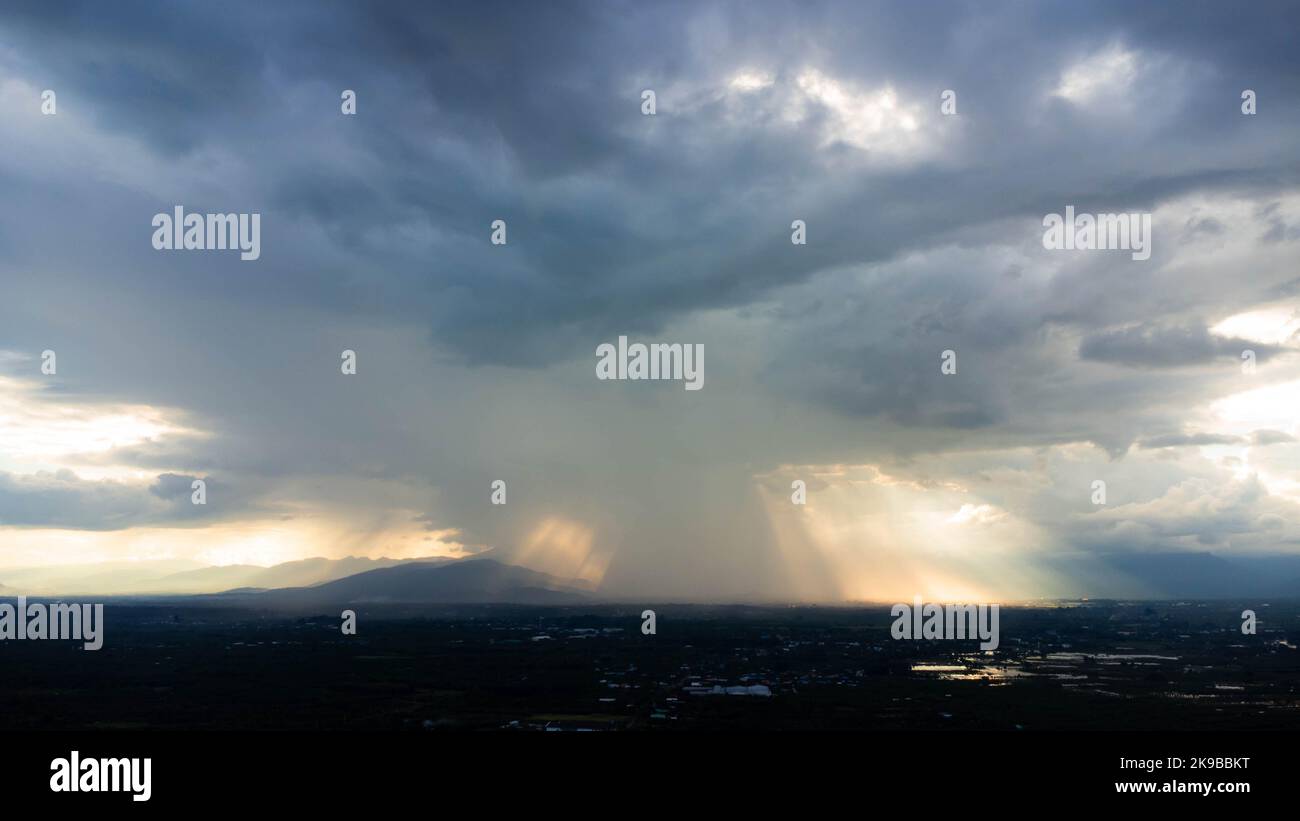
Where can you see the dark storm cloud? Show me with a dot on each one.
(475, 359)
(530, 113)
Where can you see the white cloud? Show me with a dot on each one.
(873, 119)
(1107, 74)
(42, 433)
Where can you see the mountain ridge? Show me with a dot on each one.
(176, 577)
(464, 581)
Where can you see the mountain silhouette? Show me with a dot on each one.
(1178, 575)
(301, 573)
(463, 581)
(175, 578)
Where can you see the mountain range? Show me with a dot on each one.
(463, 581)
(1183, 575)
(170, 577)
(479, 579)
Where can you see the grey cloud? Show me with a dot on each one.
(1178, 440)
(1236, 516)
(548, 96)
(1270, 437)
(62, 499)
(1167, 346)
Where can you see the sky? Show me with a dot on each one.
(476, 362)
